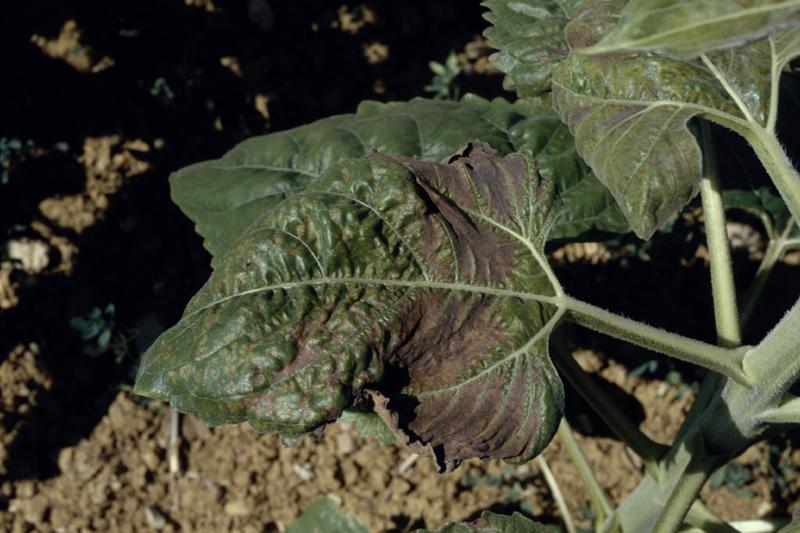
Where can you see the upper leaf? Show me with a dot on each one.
(494, 523)
(693, 27)
(629, 112)
(424, 282)
(529, 35)
(224, 197)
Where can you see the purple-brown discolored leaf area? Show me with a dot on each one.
(421, 285)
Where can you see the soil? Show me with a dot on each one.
(116, 96)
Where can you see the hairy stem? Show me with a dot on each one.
(771, 257)
(723, 287)
(555, 490)
(701, 517)
(596, 492)
(723, 360)
(648, 450)
(684, 493)
(775, 363)
(775, 250)
(726, 317)
(778, 166)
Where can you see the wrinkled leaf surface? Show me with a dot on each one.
(225, 196)
(421, 281)
(529, 35)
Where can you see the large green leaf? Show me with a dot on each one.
(224, 197)
(693, 27)
(421, 283)
(529, 35)
(323, 516)
(629, 112)
(495, 523)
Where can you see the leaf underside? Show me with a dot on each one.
(629, 112)
(224, 197)
(421, 282)
(689, 28)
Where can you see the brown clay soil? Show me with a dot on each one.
(115, 95)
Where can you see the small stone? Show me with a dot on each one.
(155, 518)
(60, 518)
(764, 509)
(150, 459)
(35, 510)
(303, 472)
(32, 255)
(237, 508)
(345, 444)
(25, 489)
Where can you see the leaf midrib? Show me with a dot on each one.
(435, 285)
(661, 103)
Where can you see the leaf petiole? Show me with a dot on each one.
(723, 360)
(596, 493)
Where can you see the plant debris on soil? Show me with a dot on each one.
(102, 102)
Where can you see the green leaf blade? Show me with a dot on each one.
(386, 272)
(689, 28)
(225, 196)
(635, 136)
(529, 35)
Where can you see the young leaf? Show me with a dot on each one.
(224, 197)
(530, 37)
(424, 282)
(323, 516)
(693, 27)
(368, 424)
(629, 112)
(766, 205)
(495, 523)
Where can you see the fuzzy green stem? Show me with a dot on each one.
(596, 492)
(775, 362)
(780, 169)
(550, 479)
(776, 248)
(725, 361)
(701, 517)
(771, 257)
(680, 500)
(723, 286)
(648, 450)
